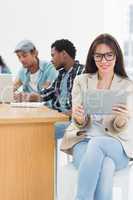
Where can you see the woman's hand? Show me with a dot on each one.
(122, 113)
(78, 114)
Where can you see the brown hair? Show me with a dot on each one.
(110, 41)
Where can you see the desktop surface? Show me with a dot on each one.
(29, 115)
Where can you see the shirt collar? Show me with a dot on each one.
(62, 69)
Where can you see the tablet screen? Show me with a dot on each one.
(101, 101)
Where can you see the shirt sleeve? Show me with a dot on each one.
(52, 73)
(48, 93)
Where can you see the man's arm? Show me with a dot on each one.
(45, 95)
(48, 93)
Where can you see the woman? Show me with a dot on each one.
(3, 67)
(100, 144)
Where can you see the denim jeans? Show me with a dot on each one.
(97, 159)
(60, 129)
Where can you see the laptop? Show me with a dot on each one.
(6, 88)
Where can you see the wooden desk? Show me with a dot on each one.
(27, 148)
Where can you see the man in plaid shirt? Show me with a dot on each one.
(63, 57)
(54, 92)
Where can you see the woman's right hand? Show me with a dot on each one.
(78, 114)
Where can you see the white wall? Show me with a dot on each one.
(115, 20)
(44, 21)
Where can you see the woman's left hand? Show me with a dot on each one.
(121, 111)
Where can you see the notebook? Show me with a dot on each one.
(28, 104)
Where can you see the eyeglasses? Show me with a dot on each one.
(108, 56)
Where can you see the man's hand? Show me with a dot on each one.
(34, 97)
(18, 96)
(26, 97)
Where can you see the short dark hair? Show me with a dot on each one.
(110, 41)
(65, 45)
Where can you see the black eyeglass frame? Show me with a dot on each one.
(105, 55)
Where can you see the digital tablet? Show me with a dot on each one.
(101, 101)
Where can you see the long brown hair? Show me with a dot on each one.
(110, 41)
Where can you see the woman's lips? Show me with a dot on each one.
(104, 67)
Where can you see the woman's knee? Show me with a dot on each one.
(95, 142)
(112, 149)
(105, 144)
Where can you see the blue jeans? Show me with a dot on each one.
(97, 159)
(60, 129)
